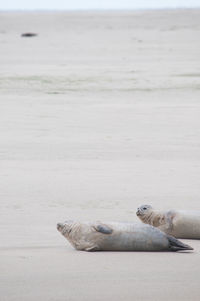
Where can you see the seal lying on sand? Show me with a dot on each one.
(29, 34)
(118, 237)
(181, 224)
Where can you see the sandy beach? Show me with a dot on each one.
(99, 113)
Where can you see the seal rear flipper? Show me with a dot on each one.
(102, 228)
(177, 245)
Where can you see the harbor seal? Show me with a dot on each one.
(115, 236)
(180, 224)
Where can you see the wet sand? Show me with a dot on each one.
(99, 113)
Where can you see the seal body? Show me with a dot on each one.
(115, 236)
(180, 224)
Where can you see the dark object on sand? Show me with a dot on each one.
(28, 34)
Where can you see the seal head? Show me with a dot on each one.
(148, 215)
(142, 210)
(65, 228)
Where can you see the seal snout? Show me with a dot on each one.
(138, 212)
(60, 226)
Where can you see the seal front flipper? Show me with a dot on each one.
(102, 228)
(92, 249)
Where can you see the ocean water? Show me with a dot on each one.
(96, 4)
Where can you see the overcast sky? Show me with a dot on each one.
(95, 4)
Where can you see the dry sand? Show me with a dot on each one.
(98, 114)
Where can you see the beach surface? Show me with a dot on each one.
(99, 113)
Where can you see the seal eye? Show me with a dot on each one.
(144, 208)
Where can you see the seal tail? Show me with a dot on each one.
(177, 245)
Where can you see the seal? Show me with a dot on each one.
(115, 236)
(29, 34)
(180, 224)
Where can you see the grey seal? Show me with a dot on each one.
(180, 224)
(114, 236)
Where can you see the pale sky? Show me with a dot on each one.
(95, 4)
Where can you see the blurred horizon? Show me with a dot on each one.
(97, 5)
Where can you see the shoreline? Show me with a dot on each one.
(102, 11)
